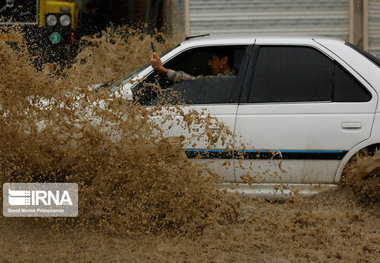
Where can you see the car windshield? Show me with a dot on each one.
(368, 55)
(128, 77)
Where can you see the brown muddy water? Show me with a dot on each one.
(140, 199)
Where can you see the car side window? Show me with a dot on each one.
(348, 89)
(302, 74)
(194, 61)
(205, 89)
(291, 74)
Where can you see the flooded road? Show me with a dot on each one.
(329, 229)
(140, 198)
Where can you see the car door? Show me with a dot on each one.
(205, 109)
(197, 119)
(299, 113)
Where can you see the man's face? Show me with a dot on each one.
(216, 64)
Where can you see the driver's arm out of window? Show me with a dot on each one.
(178, 76)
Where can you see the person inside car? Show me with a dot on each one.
(219, 61)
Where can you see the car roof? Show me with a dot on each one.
(218, 38)
(249, 38)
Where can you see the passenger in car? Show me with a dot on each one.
(219, 61)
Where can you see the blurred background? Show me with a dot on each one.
(54, 27)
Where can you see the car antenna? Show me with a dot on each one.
(195, 36)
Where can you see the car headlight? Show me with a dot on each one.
(51, 20)
(65, 20)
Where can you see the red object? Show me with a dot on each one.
(72, 38)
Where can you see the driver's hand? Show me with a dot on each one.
(156, 63)
(155, 60)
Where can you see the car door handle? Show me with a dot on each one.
(351, 125)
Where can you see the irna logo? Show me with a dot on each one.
(38, 197)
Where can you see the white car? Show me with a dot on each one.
(312, 101)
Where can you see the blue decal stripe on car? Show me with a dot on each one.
(208, 154)
(265, 154)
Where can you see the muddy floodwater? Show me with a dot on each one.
(140, 198)
(328, 229)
